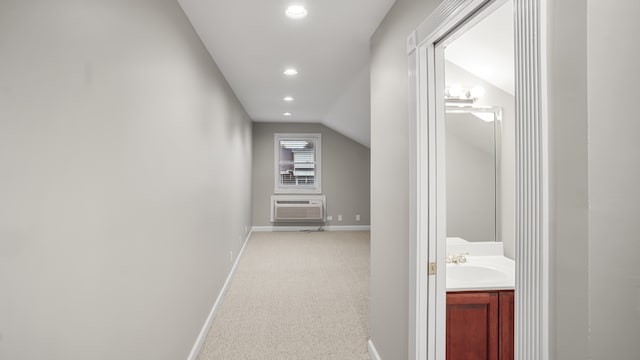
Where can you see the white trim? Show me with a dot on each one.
(373, 353)
(193, 355)
(311, 228)
(440, 22)
(411, 42)
(436, 128)
(418, 256)
(532, 301)
(348, 228)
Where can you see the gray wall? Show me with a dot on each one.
(567, 36)
(390, 177)
(595, 175)
(125, 173)
(345, 173)
(613, 50)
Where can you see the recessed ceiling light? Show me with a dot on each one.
(291, 72)
(288, 98)
(296, 12)
(287, 114)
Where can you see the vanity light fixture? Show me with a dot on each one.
(291, 72)
(455, 90)
(288, 98)
(456, 95)
(296, 12)
(287, 114)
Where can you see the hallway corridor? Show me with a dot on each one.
(296, 295)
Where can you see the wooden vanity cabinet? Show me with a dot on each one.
(480, 325)
(506, 331)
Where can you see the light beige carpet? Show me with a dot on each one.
(296, 296)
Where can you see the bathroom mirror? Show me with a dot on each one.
(472, 172)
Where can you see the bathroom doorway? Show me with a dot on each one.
(478, 135)
(479, 186)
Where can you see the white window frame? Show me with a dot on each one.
(316, 188)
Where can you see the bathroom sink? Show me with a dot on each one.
(474, 273)
(481, 273)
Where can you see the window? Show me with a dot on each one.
(297, 163)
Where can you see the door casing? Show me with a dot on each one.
(427, 310)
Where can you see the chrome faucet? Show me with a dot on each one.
(457, 259)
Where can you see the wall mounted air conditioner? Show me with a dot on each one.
(297, 208)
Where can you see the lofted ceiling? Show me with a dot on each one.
(253, 42)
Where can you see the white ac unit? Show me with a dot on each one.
(297, 208)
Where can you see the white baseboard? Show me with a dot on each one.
(373, 353)
(348, 228)
(311, 228)
(193, 355)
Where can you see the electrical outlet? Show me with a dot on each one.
(329, 218)
(339, 217)
(358, 217)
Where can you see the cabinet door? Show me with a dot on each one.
(506, 325)
(472, 326)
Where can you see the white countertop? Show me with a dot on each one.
(485, 273)
(485, 269)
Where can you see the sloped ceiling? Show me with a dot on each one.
(252, 41)
(486, 50)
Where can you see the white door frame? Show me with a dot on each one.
(427, 310)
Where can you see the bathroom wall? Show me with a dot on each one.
(390, 137)
(345, 173)
(126, 180)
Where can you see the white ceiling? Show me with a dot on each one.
(252, 41)
(487, 49)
